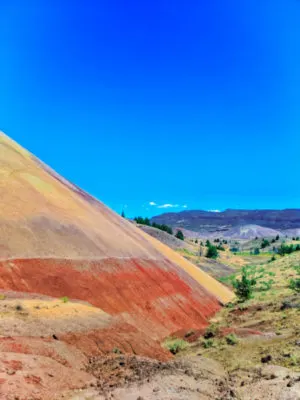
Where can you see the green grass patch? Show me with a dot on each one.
(175, 345)
(231, 339)
(65, 299)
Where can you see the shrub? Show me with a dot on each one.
(65, 299)
(116, 350)
(287, 249)
(212, 252)
(175, 345)
(273, 258)
(244, 286)
(207, 343)
(146, 221)
(163, 227)
(256, 251)
(251, 277)
(142, 221)
(295, 285)
(189, 334)
(179, 235)
(297, 269)
(231, 339)
(265, 243)
(266, 285)
(211, 331)
(2, 296)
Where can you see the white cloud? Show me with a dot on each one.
(168, 206)
(216, 211)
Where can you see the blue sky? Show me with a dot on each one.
(192, 104)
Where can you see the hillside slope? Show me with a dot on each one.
(58, 241)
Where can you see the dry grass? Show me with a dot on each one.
(275, 313)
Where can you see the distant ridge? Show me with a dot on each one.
(209, 221)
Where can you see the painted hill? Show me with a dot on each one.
(58, 241)
(207, 221)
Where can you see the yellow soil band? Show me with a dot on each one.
(222, 293)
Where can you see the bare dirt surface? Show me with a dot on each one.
(135, 378)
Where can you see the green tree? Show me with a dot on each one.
(244, 286)
(212, 252)
(265, 243)
(179, 235)
(287, 249)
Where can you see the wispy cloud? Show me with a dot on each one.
(216, 211)
(168, 205)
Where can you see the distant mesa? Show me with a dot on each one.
(205, 223)
(57, 240)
